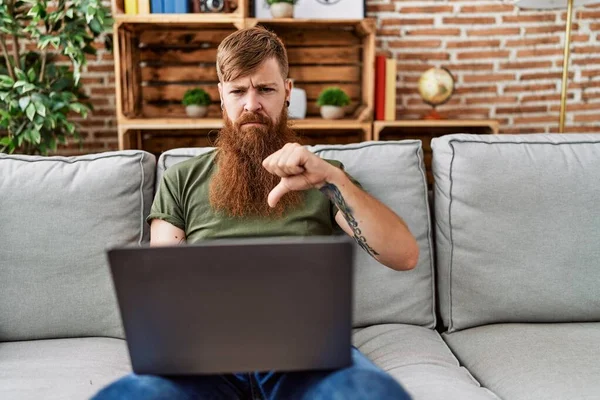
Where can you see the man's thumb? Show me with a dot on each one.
(277, 193)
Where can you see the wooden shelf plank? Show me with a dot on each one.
(168, 19)
(217, 123)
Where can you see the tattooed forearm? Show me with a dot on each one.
(333, 193)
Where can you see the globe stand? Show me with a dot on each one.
(433, 115)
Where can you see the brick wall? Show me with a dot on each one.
(507, 63)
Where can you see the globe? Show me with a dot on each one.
(436, 86)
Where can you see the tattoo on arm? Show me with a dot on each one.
(334, 194)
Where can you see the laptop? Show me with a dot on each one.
(236, 305)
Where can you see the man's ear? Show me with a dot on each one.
(220, 87)
(289, 84)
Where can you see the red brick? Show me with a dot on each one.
(423, 56)
(490, 8)
(530, 30)
(523, 130)
(595, 117)
(530, 88)
(469, 20)
(526, 65)
(578, 107)
(533, 41)
(521, 110)
(372, 8)
(539, 52)
(434, 32)
(492, 100)
(483, 54)
(473, 43)
(489, 78)
(535, 120)
(536, 17)
(414, 44)
(406, 21)
(544, 76)
(494, 32)
(544, 97)
(471, 67)
(426, 10)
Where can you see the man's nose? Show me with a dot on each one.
(252, 102)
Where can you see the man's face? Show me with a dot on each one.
(263, 92)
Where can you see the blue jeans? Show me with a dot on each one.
(361, 380)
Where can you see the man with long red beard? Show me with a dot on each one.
(260, 182)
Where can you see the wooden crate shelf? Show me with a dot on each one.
(158, 57)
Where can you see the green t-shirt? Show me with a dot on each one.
(182, 200)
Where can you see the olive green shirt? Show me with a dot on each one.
(182, 200)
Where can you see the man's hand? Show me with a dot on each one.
(298, 168)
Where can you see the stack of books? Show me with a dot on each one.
(385, 88)
(135, 7)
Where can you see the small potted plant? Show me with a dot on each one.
(196, 102)
(332, 101)
(282, 8)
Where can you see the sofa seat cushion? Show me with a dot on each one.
(533, 361)
(420, 360)
(60, 368)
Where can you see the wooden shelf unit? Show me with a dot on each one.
(159, 56)
(425, 130)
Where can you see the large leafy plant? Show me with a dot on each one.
(38, 90)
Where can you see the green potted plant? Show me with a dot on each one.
(37, 96)
(196, 102)
(282, 8)
(332, 101)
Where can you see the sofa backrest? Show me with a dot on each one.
(393, 172)
(517, 228)
(58, 215)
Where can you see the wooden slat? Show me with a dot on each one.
(178, 73)
(176, 111)
(318, 37)
(325, 73)
(175, 92)
(323, 55)
(183, 38)
(178, 55)
(314, 89)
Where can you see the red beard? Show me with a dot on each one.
(241, 185)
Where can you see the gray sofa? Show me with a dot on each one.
(503, 304)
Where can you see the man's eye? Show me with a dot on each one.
(266, 89)
(236, 91)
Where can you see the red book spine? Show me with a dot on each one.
(380, 87)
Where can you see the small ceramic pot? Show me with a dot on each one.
(196, 111)
(282, 10)
(332, 112)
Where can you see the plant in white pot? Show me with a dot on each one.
(282, 8)
(196, 102)
(332, 101)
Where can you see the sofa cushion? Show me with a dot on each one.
(533, 361)
(60, 368)
(420, 360)
(517, 233)
(59, 215)
(392, 172)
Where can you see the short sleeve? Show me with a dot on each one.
(167, 201)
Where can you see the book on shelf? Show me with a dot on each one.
(143, 6)
(131, 7)
(180, 6)
(380, 65)
(390, 89)
(156, 6)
